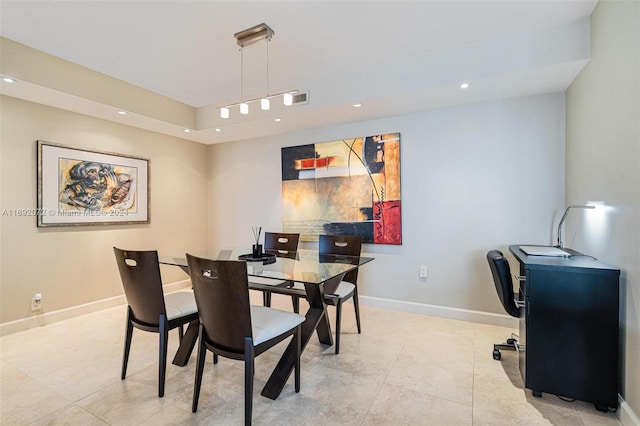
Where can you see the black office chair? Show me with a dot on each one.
(504, 287)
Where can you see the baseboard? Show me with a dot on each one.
(440, 311)
(40, 319)
(626, 415)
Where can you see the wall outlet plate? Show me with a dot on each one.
(423, 272)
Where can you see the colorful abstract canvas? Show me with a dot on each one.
(349, 186)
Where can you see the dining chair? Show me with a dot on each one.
(501, 273)
(281, 244)
(233, 328)
(148, 308)
(345, 245)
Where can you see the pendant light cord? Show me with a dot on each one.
(241, 75)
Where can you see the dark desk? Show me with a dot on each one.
(569, 327)
(320, 275)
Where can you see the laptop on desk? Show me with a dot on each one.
(543, 251)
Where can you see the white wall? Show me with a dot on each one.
(603, 164)
(474, 178)
(72, 266)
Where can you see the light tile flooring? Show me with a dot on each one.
(404, 369)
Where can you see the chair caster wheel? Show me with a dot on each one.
(536, 394)
(496, 355)
(602, 408)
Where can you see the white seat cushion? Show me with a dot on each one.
(267, 323)
(265, 281)
(179, 304)
(344, 288)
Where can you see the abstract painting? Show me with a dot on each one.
(80, 187)
(348, 186)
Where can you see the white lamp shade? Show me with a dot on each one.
(244, 108)
(265, 104)
(224, 112)
(288, 99)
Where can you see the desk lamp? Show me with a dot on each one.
(564, 216)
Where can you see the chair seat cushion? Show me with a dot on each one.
(267, 323)
(266, 281)
(180, 304)
(344, 289)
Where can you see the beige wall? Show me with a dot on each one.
(603, 164)
(72, 266)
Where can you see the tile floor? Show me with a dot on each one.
(404, 369)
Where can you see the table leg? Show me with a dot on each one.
(315, 320)
(186, 345)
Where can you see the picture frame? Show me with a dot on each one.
(81, 187)
(344, 187)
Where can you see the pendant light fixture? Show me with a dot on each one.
(249, 37)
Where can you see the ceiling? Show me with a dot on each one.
(394, 57)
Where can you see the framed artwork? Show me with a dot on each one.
(349, 186)
(82, 187)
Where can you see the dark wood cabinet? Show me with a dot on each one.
(569, 327)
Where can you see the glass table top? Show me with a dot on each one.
(305, 266)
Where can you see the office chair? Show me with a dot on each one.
(149, 309)
(504, 287)
(231, 327)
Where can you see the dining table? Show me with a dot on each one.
(320, 275)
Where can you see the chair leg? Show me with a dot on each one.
(202, 353)
(338, 322)
(249, 356)
(162, 361)
(215, 358)
(298, 350)
(180, 333)
(295, 300)
(266, 298)
(128, 334)
(356, 306)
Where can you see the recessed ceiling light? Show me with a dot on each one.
(8, 80)
(187, 130)
(121, 112)
(465, 85)
(277, 119)
(357, 105)
(218, 129)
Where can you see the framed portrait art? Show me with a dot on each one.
(82, 187)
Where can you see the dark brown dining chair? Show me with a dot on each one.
(281, 244)
(344, 245)
(231, 327)
(149, 309)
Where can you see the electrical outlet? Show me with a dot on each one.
(423, 272)
(36, 302)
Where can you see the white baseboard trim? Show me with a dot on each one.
(40, 319)
(440, 311)
(626, 415)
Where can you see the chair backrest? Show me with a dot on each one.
(221, 290)
(281, 241)
(502, 280)
(345, 245)
(140, 275)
